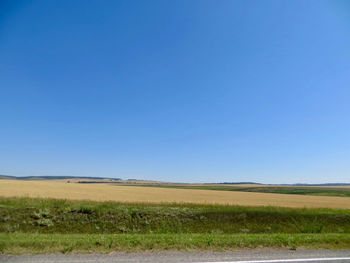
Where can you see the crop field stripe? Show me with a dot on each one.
(281, 260)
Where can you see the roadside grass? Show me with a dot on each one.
(34, 215)
(35, 225)
(20, 243)
(315, 191)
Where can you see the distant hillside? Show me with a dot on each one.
(53, 177)
(128, 181)
(239, 183)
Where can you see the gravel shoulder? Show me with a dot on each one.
(176, 256)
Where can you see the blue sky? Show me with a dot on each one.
(183, 91)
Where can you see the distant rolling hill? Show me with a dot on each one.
(48, 177)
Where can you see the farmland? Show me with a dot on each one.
(113, 192)
(343, 191)
(38, 216)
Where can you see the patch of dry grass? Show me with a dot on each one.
(110, 192)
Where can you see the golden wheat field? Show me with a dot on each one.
(110, 192)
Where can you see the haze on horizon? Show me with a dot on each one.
(179, 91)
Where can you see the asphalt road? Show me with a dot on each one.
(253, 256)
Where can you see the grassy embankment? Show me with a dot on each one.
(49, 225)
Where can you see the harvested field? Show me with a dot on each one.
(110, 192)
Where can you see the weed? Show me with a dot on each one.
(84, 209)
(44, 222)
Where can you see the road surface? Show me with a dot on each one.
(243, 256)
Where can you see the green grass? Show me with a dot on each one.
(30, 225)
(61, 216)
(19, 243)
(316, 191)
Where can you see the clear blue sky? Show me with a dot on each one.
(193, 91)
